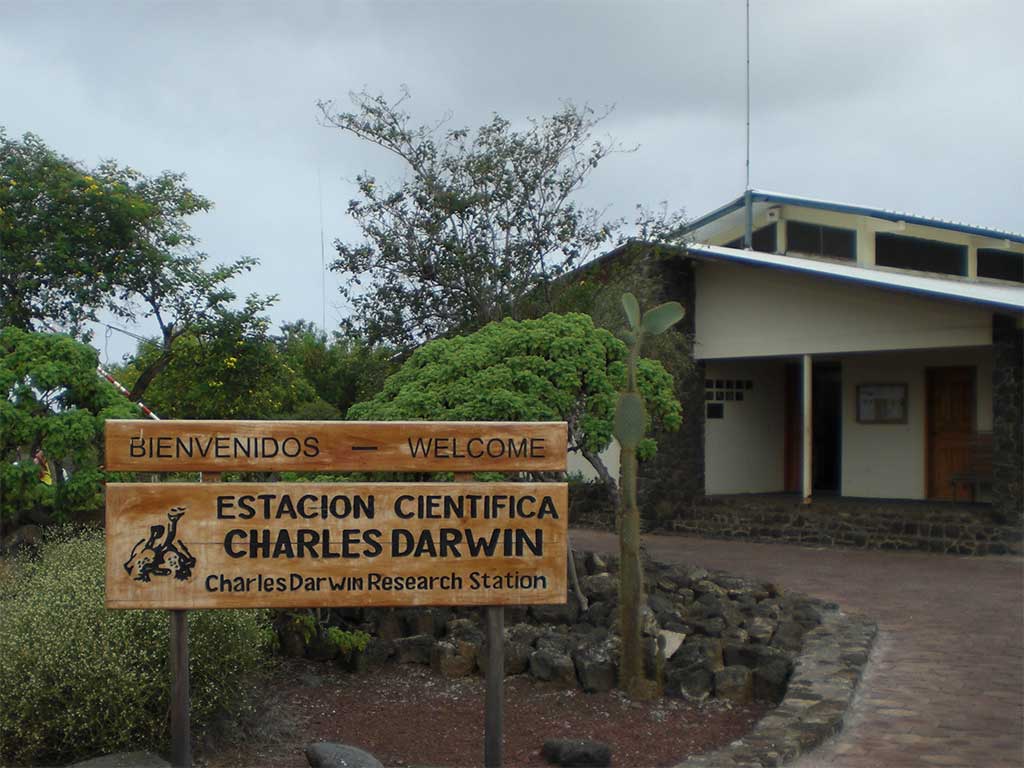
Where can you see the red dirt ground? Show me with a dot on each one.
(410, 716)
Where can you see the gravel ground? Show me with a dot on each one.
(409, 716)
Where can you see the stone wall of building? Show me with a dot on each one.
(655, 274)
(1007, 420)
(962, 529)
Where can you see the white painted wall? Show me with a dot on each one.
(887, 461)
(744, 451)
(579, 465)
(744, 311)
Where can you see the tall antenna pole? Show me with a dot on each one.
(748, 96)
(748, 230)
(320, 190)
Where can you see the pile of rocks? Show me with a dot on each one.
(706, 634)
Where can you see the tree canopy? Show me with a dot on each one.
(343, 371)
(482, 218)
(231, 369)
(75, 241)
(556, 368)
(52, 400)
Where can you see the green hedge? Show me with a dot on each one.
(78, 680)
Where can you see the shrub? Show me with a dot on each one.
(77, 679)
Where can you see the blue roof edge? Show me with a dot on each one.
(761, 196)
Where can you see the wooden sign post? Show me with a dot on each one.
(182, 546)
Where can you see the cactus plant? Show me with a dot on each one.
(630, 426)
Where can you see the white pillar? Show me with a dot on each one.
(808, 429)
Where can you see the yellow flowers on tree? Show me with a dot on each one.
(630, 427)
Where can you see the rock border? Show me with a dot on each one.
(820, 693)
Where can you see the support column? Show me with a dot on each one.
(808, 430)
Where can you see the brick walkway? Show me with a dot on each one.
(945, 685)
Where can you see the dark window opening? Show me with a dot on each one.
(1002, 265)
(715, 411)
(816, 240)
(922, 255)
(764, 240)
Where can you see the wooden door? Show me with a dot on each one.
(949, 425)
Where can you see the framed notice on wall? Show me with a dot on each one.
(882, 403)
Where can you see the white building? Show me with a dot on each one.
(858, 352)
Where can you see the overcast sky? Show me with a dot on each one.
(904, 104)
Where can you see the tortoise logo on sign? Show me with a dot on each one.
(162, 553)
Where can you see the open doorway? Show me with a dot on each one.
(826, 430)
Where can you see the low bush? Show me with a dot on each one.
(78, 680)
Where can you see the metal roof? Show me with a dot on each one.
(1005, 296)
(779, 198)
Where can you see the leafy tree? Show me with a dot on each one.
(230, 369)
(52, 400)
(482, 219)
(75, 241)
(556, 368)
(631, 424)
(342, 371)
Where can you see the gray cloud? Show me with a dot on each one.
(909, 105)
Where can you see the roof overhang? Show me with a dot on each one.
(707, 225)
(1002, 296)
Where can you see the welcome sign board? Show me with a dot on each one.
(232, 545)
(312, 446)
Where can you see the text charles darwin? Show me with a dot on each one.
(369, 542)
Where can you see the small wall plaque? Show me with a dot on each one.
(882, 403)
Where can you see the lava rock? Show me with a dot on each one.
(568, 613)
(453, 658)
(706, 651)
(710, 627)
(595, 667)
(600, 586)
(515, 656)
(599, 613)
(735, 684)
(327, 754)
(692, 683)
(760, 629)
(789, 635)
(523, 634)
(807, 616)
(577, 752)
(552, 667)
(414, 650)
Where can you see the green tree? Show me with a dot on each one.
(76, 241)
(343, 371)
(228, 369)
(482, 219)
(631, 425)
(556, 368)
(52, 401)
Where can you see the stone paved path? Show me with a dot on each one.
(945, 685)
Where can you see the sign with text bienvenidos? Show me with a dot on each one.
(310, 446)
(243, 545)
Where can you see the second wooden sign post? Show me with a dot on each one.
(182, 546)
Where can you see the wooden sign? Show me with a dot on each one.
(245, 545)
(216, 446)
